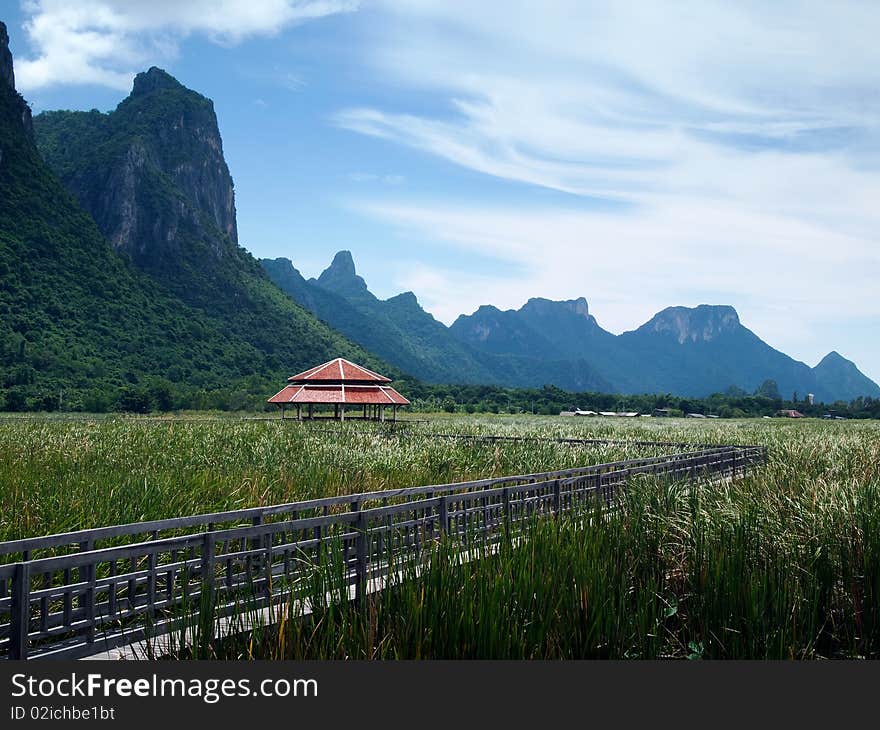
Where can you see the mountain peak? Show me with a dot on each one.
(540, 305)
(835, 372)
(832, 358)
(407, 297)
(7, 75)
(701, 323)
(341, 276)
(152, 79)
(343, 264)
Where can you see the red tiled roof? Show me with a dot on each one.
(339, 370)
(300, 393)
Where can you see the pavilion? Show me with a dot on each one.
(342, 384)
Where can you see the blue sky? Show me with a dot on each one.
(638, 154)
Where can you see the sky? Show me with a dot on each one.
(638, 154)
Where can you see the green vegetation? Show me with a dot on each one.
(550, 400)
(66, 474)
(81, 328)
(782, 563)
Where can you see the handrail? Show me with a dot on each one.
(104, 596)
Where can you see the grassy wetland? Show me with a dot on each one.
(782, 563)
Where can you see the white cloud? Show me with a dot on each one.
(104, 41)
(742, 137)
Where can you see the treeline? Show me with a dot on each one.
(250, 394)
(735, 403)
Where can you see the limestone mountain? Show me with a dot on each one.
(705, 349)
(840, 376)
(81, 322)
(400, 331)
(686, 351)
(153, 176)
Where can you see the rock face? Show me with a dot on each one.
(7, 73)
(151, 173)
(341, 277)
(699, 324)
(153, 177)
(7, 79)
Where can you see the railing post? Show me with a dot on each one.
(89, 593)
(208, 547)
(505, 500)
(443, 514)
(21, 611)
(361, 560)
(557, 498)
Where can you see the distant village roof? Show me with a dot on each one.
(339, 382)
(790, 413)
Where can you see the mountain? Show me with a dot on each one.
(835, 374)
(705, 349)
(562, 330)
(400, 331)
(159, 296)
(687, 351)
(152, 175)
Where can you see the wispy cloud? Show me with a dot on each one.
(105, 41)
(743, 138)
(371, 177)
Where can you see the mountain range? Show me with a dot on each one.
(121, 268)
(686, 351)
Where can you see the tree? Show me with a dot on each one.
(449, 404)
(769, 389)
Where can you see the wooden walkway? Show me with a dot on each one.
(80, 593)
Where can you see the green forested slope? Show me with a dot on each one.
(82, 327)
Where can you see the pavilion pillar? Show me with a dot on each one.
(394, 413)
(299, 412)
(381, 413)
(365, 411)
(311, 411)
(335, 410)
(282, 411)
(342, 412)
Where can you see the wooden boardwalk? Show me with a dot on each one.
(81, 593)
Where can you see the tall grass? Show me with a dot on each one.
(784, 563)
(59, 475)
(707, 572)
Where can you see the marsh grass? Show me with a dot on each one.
(784, 563)
(675, 573)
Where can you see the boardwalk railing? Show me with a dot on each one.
(79, 593)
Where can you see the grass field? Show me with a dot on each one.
(782, 563)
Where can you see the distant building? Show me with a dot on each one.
(790, 413)
(694, 415)
(661, 413)
(810, 398)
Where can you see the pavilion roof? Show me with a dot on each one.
(345, 394)
(338, 370)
